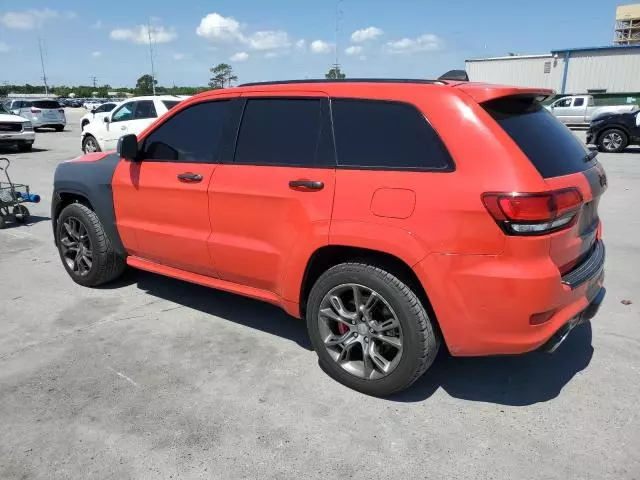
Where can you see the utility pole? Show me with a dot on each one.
(94, 79)
(336, 37)
(153, 72)
(44, 75)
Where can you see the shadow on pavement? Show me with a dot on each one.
(33, 219)
(506, 380)
(244, 311)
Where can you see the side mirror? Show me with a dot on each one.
(93, 110)
(128, 147)
(106, 120)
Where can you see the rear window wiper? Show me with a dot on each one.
(590, 156)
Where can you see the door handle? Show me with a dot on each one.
(189, 177)
(306, 185)
(123, 127)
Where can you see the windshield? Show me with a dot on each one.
(3, 109)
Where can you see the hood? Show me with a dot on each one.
(8, 117)
(609, 115)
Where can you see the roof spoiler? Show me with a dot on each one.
(455, 75)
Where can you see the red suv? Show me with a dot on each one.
(393, 215)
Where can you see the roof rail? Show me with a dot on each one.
(346, 80)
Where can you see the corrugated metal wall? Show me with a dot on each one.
(617, 71)
(518, 71)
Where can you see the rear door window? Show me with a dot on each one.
(578, 102)
(282, 131)
(170, 103)
(549, 145)
(386, 135)
(145, 109)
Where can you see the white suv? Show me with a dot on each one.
(131, 116)
(97, 114)
(15, 130)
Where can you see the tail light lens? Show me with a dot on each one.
(35, 110)
(61, 110)
(534, 213)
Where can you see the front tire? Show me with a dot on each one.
(613, 140)
(85, 250)
(59, 128)
(369, 329)
(25, 147)
(90, 144)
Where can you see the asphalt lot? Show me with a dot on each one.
(155, 378)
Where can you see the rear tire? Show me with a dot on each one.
(88, 241)
(25, 147)
(612, 140)
(59, 128)
(3, 223)
(90, 144)
(416, 336)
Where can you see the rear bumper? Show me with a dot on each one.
(484, 303)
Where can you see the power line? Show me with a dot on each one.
(94, 79)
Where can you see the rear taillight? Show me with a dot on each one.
(61, 110)
(534, 213)
(35, 110)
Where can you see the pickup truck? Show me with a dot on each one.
(581, 109)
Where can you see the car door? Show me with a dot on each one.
(143, 116)
(161, 201)
(575, 113)
(561, 109)
(117, 125)
(272, 203)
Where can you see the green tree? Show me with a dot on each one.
(222, 75)
(335, 73)
(144, 85)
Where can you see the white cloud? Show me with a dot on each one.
(301, 44)
(268, 40)
(96, 54)
(27, 20)
(369, 33)
(181, 56)
(239, 57)
(424, 43)
(140, 34)
(4, 48)
(97, 25)
(219, 29)
(353, 50)
(318, 46)
(215, 27)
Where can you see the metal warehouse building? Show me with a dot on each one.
(611, 70)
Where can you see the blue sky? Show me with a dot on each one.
(277, 39)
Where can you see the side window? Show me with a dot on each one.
(145, 109)
(578, 102)
(380, 134)
(591, 103)
(281, 131)
(124, 113)
(565, 102)
(193, 135)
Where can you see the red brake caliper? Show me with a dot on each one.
(342, 328)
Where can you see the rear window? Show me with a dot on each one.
(46, 104)
(549, 145)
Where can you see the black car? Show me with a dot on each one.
(613, 132)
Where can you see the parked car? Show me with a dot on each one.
(358, 206)
(41, 113)
(132, 116)
(15, 130)
(613, 132)
(91, 104)
(581, 109)
(97, 114)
